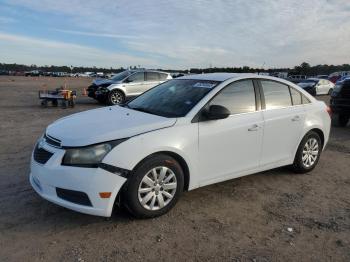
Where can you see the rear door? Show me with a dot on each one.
(283, 122)
(152, 79)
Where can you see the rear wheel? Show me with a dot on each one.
(154, 187)
(116, 97)
(308, 153)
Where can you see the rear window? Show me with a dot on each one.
(162, 76)
(305, 100)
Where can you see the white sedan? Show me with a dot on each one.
(317, 86)
(183, 134)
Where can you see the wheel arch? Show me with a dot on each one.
(319, 132)
(178, 158)
(118, 89)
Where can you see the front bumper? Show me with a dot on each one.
(47, 178)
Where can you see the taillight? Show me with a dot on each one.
(329, 110)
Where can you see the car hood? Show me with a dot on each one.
(100, 81)
(104, 124)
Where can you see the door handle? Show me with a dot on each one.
(296, 118)
(255, 127)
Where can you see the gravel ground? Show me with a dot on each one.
(270, 216)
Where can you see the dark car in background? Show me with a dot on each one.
(4, 73)
(34, 73)
(340, 102)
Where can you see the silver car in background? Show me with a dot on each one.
(126, 84)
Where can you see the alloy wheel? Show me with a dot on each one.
(116, 98)
(310, 152)
(157, 188)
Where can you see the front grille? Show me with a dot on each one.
(52, 141)
(41, 155)
(76, 197)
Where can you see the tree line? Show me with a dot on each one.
(302, 69)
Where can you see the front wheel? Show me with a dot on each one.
(330, 91)
(308, 153)
(116, 97)
(154, 187)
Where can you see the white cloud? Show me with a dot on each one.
(74, 32)
(30, 50)
(184, 33)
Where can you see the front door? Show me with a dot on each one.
(135, 84)
(230, 146)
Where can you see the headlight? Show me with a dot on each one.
(89, 156)
(103, 89)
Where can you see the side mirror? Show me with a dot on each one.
(127, 80)
(215, 112)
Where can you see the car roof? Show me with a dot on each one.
(147, 70)
(217, 76)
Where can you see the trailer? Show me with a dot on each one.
(63, 96)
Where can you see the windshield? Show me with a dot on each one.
(121, 76)
(174, 98)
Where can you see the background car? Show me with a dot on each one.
(340, 101)
(34, 73)
(317, 86)
(322, 76)
(126, 84)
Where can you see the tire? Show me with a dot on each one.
(137, 191)
(71, 102)
(115, 97)
(306, 159)
(55, 103)
(330, 91)
(44, 103)
(343, 120)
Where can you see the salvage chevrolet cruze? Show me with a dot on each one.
(180, 135)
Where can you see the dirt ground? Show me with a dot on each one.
(245, 219)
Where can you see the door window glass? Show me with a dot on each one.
(152, 76)
(276, 94)
(238, 97)
(137, 77)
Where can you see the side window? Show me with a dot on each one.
(137, 77)
(152, 76)
(238, 97)
(276, 94)
(296, 96)
(162, 77)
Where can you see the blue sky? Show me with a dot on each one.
(175, 34)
